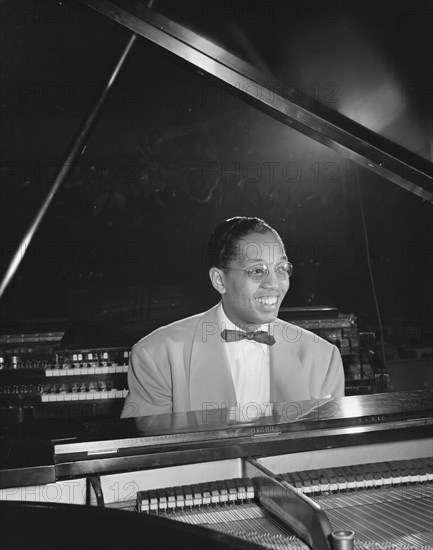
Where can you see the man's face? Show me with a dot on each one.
(250, 303)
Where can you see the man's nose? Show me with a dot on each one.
(271, 280)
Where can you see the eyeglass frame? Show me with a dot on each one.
(266, 270)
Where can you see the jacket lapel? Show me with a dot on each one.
(210, 380)
(288, 378)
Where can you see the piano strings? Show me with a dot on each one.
(387, 505)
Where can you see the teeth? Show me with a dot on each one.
(267, 301)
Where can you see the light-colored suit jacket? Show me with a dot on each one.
(183, 367)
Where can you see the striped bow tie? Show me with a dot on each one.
(260, 336)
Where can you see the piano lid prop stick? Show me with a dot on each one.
(64, 170)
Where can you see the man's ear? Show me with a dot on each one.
(217, 279)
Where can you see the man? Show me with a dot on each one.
(237, 354)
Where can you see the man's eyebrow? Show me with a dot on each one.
(261, 260)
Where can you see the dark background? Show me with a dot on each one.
(173, 154)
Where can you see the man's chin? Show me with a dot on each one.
(268, 317)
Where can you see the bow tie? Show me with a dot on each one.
(260, 336)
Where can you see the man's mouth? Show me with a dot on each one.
(268, 300)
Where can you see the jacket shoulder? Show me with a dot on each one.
(176, 330)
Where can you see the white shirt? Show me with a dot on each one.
(249, 366)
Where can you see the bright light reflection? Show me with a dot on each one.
(374, 107)
(353, 408)
(355, 430)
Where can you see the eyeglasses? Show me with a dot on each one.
(260, 271)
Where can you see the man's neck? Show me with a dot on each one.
(245, 327)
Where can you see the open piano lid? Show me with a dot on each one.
(342, 134)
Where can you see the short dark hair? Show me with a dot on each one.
(222, 246)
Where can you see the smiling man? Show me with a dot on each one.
(238, 354)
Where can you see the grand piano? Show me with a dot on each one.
(351, 472)
(354, 472)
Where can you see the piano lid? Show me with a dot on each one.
(343, 130)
